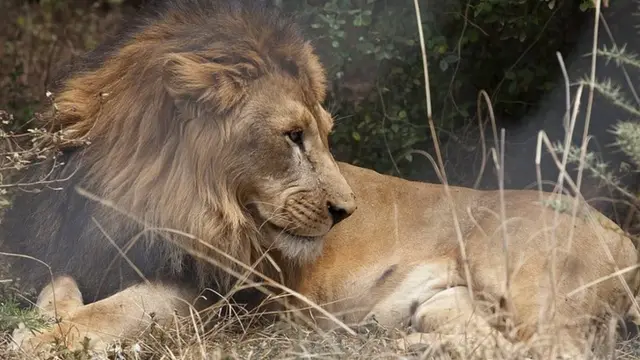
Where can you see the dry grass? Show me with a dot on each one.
(277, 340)
(41, 41)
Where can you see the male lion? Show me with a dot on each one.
(207, 143)
(397, 261)
(199, 131)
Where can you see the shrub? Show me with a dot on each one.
(372, 53)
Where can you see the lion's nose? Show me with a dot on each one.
(342, 211)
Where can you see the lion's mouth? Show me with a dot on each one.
(280, 231)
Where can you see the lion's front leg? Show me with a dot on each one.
(448, 322)
(57, 301)
(122, 315)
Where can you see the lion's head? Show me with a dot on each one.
(207, 118)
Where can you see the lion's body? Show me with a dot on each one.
(397, 260)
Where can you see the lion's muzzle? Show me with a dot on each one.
(306, 215)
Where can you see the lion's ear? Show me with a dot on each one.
(220, 81)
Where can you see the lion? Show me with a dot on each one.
(196, 147)
(397, 262)
(206, 119)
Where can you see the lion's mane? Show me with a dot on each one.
(140, 160)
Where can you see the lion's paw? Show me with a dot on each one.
(32, 342)
(53, 339)
(19, 336)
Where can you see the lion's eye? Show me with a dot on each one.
(296, 136)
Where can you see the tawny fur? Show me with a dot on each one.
(397, 261)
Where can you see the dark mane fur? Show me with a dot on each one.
(120, 97)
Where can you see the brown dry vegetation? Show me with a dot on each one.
(38, 38)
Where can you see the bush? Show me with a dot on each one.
(372, 53)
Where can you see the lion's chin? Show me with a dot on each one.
(301, 249)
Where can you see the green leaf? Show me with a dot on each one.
(357, 20)
(355, 136)
(443, 65)
(584, 6)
